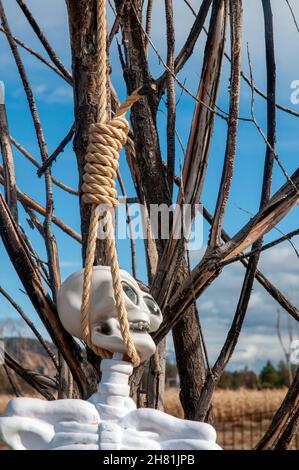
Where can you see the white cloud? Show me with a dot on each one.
(70, 264)
(258, 340)
(53, 95)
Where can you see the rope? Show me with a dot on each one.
(105, 142)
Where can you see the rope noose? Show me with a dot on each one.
(105, 142)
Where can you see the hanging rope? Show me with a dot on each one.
(105, 142)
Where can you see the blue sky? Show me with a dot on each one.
(54, 98)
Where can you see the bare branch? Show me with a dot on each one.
(181, 85)
(38, 382)
(171, 105)
(52, 54)
(29, 202)
(29, 275)
(39, 57)
(265, 247)
(247, 80)
(188, 47)
(236, 19)
(208, 268)
(197, 155)
(265, 283)
(38, 166)
(31, 326)
(8, 161)
(50, 239)
(283, 417)
(148, 23)
(58, 150)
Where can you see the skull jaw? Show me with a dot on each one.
(143, 342)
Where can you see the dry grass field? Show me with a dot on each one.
(231, 404)
(241, 416)
(3, 401)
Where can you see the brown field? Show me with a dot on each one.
(241, 416)
(231, 404)
(3, 401)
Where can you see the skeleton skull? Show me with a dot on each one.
(143, 312)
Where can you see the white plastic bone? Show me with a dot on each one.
(108, 421)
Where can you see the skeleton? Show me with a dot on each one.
(109, 420)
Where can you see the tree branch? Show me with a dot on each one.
(30, 278)
(50, 242)
(8, 161)
(171, 104)
(236, 20)
(29, 157)
(209, 267)
(52, 54)
(187, 49)
(39, 57)
(196, 158)
(31, 326)
(283, 418)
(148, 24)
(39, 382)
(259, 276)
(29, 202)
(57, 151)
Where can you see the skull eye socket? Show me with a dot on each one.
(130, 293)
(152, 305)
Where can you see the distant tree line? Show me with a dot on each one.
(269, 377)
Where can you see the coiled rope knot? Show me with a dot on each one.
(100, 171)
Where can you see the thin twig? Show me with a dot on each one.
(60, 148)
(148, 23)
(41, 58)
(37, 381)
(293, 15)
(29, 157)
(265, 247)
(261, 132)
(236, 17)
(52, 54)
(171, 104)
(28, 201)
(181, 85)
(247, 80)
(50, 239)
(8, 160)
(31, 326)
